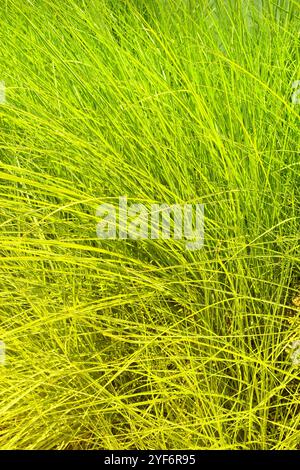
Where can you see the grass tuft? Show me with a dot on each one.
(140, 344)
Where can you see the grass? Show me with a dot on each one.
(140, 344)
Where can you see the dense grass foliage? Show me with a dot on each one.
(141, 344)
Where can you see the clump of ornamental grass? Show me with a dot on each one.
(142, 344)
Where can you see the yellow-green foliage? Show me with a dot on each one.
(140, 344)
